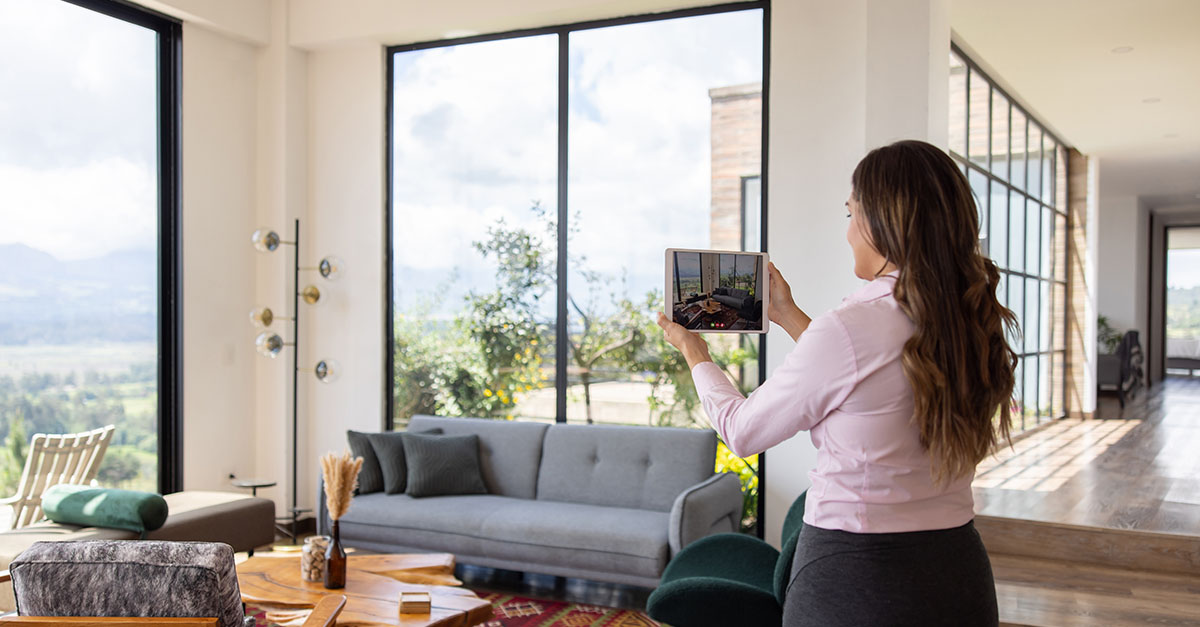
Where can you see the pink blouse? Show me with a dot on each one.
(843, 382)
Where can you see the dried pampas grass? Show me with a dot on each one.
(341, 478)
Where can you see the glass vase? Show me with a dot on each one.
(312, 558)
(335, 561)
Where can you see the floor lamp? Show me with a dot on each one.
(270, 343)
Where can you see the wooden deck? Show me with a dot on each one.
(1098, 522)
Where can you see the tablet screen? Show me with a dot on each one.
(717, 291)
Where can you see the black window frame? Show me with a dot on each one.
(1029, 198)
(561, 344)
(169, 33)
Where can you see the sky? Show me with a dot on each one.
(1183, 268)
(77, 131)
(476, 141)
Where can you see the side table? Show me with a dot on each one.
(294, 513)
(253, 484)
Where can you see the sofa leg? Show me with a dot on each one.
(560, 586)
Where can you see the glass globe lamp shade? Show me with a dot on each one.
(330, 268)
(265, 240)
(327, 370)
(311, 294)
(262, 317)
(268, 344)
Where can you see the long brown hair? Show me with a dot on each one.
(922, 217)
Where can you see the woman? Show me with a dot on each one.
(905, 387)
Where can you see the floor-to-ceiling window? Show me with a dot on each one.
(1183, 300)
(1017, 170)
(536, 180)
(88, 205)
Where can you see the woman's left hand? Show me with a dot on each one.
(693, 347)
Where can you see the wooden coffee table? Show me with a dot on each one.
(373, 587)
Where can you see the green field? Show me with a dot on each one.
(103, 357)
(72, 388)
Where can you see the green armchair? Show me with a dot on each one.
(728, 579)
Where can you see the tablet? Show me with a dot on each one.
(717, 291)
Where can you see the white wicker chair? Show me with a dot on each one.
(53, 459)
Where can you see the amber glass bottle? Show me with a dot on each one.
(335, 561)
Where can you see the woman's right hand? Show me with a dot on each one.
(782, 309)
(781, 305)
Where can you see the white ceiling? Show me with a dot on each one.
(1058, 57)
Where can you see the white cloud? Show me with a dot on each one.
(79, 212)
(78, 129)
(476, 125)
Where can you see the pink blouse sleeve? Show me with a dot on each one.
(813, 380)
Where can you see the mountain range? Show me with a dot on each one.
(44, 300)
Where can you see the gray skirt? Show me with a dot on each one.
(924, 578)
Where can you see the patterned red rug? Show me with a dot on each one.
(514, 611)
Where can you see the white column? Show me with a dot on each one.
(282, 196)
(845, 77)
(347, 143)
(1091, 273)
(217, 283)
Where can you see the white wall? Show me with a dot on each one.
(845, 78)
(219, 84)
(1123, 264)
(346, 211)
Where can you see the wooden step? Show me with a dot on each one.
(1118, 548)
(1053, 574)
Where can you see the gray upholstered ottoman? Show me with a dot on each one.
(243, 522)
(137, 578)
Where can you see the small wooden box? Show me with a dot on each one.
(415, 602)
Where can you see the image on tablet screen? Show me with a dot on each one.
(718, 291)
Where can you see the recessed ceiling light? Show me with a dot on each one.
(1151, 100)
(1122, 49)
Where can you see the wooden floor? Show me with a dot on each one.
(1133, 469)
(1098, 522)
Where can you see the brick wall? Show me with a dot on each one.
(736, 154)
(1077, 287)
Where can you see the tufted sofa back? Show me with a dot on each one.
(509, 452)
(634, 467)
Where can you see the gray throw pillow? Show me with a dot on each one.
(370, 477)
(441, 465)
(389, 451)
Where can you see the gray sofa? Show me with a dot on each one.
(607, 503)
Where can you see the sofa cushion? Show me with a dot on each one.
(616, 466)
(510, 452)
(443, 464)
(389, 453)
(454, 522)
(612, 539)
(567, 535)
(370, 477)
